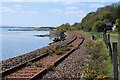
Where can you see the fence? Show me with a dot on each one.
(112, 52)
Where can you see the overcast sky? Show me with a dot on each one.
(37, 13)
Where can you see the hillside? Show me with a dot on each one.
(108, 13)
(96, 20)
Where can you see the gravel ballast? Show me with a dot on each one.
(70, 67)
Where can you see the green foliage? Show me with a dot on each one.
(74, 28)
(65, 48)
(62, 49)
(87, 21)
(107, 13)
(64, 26)
(99, 26)
(58, 50)
(97, 64)
(67, 26)
(117, 23)
(115, 36)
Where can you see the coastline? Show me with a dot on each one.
(8, 63)
(11, 62)
(15, 43)
(73, 40)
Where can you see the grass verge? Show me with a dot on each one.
(116, 36)
(98, 64)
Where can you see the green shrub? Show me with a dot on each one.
(97, 60)
(59, 50)
(99, 26)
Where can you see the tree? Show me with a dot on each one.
(105, 15)
(75, 27)
(117, 23)
(108, 13)
(64, 26)
(88, 21)
(99, 26)
(67, 26)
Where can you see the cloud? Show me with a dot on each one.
(66, 2)
(63, 1)
(17, 6)
(31, 12)
(75, 12)
(96, 5)
(71, 8)
(17, 9)
(56, 10)
(7, 10)
(78, 13)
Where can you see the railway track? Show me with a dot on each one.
(36, 67)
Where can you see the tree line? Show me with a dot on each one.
(96, 21)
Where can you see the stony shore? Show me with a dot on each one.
(71, 66)
(11, 62)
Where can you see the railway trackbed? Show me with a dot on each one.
(37, 67)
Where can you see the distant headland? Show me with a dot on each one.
(20, 28)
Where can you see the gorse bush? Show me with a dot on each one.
(97, 63)
(88, 72)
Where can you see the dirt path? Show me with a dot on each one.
(71, 66)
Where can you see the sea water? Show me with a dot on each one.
(15, 43)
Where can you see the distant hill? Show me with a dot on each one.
(7, 26)
(96, 20)
(108, 13)
(18, 28)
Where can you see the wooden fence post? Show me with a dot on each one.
(93, 37)
(109, 46)
(106, 40)
(115, 61)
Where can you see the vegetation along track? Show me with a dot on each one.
(36, 67)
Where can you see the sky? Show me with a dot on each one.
(46, 13)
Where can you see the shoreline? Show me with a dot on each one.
(75, 39)
(19, 43)
(11, 62)
(8, 63)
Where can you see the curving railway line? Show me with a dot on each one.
(28, 71)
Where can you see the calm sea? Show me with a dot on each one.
(15, 43)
